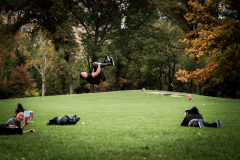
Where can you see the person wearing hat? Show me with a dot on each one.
(194, 119)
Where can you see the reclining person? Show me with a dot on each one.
(97, 73)
(194, 119)
(15, 122)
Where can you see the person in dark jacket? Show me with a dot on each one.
(194, 119)
(97, 73)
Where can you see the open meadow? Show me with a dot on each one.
(123, 125)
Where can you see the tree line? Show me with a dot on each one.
(176, 45)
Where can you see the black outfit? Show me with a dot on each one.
(64, 120)
(7, 131)
(194, 114)
(101, 76)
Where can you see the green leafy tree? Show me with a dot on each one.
(52, 17)
(101, 21)
(156, 54)
(42, 54)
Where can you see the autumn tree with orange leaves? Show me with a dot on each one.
(217, 41)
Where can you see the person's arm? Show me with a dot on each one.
(12, 126)
(95, 74)
(26, 122)
(93, 68)
(184, 122)
(29, 131)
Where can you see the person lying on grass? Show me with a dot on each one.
(194, 119)
(97, 72)
(15, 122)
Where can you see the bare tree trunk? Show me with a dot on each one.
(70, 80)
(91, 88)
(198, 83)
(43, 87)
(160, 79)
(118, 71)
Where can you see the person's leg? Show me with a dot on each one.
(200, 123)
(193, 123)
(111, 61)
(106, 58)
(214, 124)
(107, 61)
(103, 64)
(219, 125)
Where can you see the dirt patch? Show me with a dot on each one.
(166, 94)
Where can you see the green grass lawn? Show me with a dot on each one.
(123, 125)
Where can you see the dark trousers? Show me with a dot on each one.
(206, 124)
(7, 131)
(101, 74)
(214, 124)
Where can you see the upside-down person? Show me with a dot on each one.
(97, 73)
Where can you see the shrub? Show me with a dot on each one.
(31, 93)
(4, 92)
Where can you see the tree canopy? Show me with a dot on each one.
(146, 38)
(218, 41)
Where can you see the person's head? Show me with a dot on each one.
(186, 112)
(194, 110)
(19, 113)
(83, 75)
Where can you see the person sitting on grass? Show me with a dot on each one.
(15, 122)
(97, 73)
(194, 119)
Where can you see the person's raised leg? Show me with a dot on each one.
(106, 58)
(102, 65)
(111, 61)
(107, 61)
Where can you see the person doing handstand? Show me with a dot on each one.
(97, 73)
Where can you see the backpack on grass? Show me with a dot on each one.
(64, 120)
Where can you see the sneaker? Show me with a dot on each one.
(106, 58)
(219, 125)
(200, 123)
(111, 61)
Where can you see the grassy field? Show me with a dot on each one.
(123, 125)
